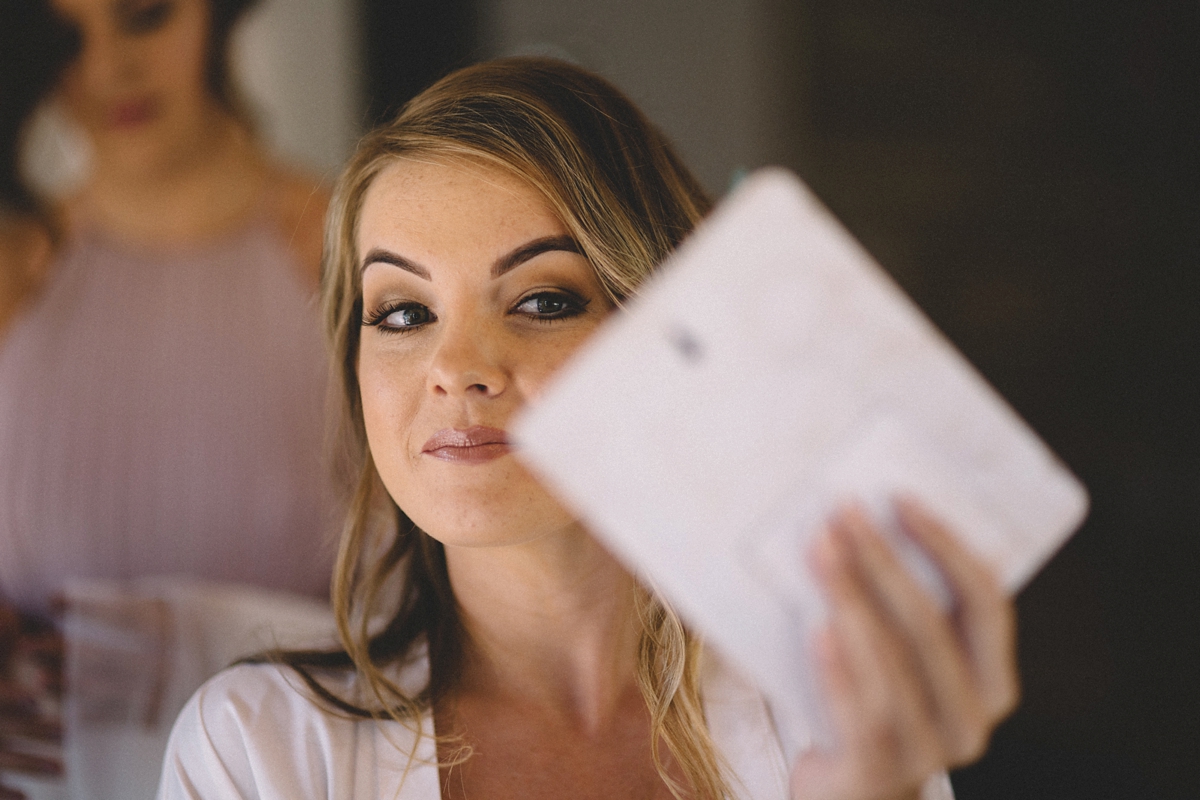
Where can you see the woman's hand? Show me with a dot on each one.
(912, 689)
(30, 693)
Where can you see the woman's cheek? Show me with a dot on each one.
(539, 375)
(386, 403)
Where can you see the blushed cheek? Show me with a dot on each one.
(532, 383)
(375, 417)
(536, 378)
(179, 64)
(388, 412)
(389, 462)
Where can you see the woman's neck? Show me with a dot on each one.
(202, 190)
(552, 622)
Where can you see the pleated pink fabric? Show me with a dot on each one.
(162, 413)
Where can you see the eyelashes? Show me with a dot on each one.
(548, 306)
(399, 317)
(543, 306)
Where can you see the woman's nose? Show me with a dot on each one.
(104, 61)
(466, 363)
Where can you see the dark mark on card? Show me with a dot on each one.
(686, 343)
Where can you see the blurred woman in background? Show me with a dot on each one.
(34, 47)
(161, 371)
(161, 391)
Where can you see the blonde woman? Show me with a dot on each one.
(472, 246)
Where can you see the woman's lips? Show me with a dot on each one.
(474, 445)
(132, 113)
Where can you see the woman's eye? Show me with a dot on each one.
(550, 305)
(147, 17)
(400, 318)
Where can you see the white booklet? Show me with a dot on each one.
(769, 373)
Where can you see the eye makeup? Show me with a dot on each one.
(141, 18)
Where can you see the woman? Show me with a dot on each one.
(161, 379)
(161, 387)
(473, 245)
(34, 47)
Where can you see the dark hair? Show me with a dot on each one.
(35, 45)
(224, 18)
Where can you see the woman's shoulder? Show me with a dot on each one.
(299, 205)
(247, 698)
(254, 730)
(254, 689)
(258, 731)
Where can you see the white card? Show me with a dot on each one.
(768, 373)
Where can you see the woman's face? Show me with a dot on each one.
(138, 85)
(473, 295)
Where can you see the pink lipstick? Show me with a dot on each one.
(132, 113)
(475, 445)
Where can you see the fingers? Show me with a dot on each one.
(28, 763)
(875, 698)
(985, 615)
(912, 688)
(885, 698)
(926, 638)
(30, 688)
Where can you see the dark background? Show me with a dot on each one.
(1028, 172)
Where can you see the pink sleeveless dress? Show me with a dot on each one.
(161, 412)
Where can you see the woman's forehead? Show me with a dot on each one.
(452, 199)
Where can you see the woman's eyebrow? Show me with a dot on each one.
(381, 256)
(535, 248)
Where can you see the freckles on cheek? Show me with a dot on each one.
(389, 406)
(538, 377)
(376, 411)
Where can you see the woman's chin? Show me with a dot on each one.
(492, 504)
(491, 527)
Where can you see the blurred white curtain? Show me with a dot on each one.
(135, 653)
(299, 63)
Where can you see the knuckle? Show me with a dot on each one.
(881, 739)
(969, 746)
(1007, 699)
(935, 634)
(1000, 694)
(928, 761)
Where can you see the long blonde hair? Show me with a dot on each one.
(627, 200)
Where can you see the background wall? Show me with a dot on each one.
(299, 64)
(707, 71)
(1028, 171)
